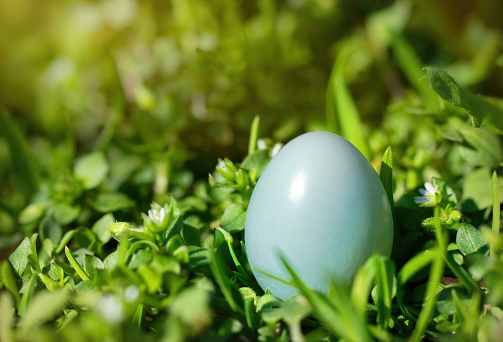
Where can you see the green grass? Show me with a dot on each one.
(111, 228)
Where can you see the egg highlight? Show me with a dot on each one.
(321, 205)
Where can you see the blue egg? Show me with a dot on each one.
(320, 204)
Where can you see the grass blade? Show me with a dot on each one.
(413, 266)
(330, 113)
(496, 210)
(461, 274)
(7, 317)
(362, 285)
(384, 282)
(8, 280)
(252, 144)
(138, 316)
(118, 109)
(347, 112)
(411, 65)
(436, 273)
(23, 160)
(386, 176)
(82, 274)
(27, 294)
(334, 321)
(223, 282)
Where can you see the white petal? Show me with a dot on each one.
(423, 192)
(420, 199)
(275, 149)
(111, 309)
(131, 293)
(429, 187)
(261, 144)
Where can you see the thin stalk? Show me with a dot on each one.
(252, 144)
(436, 274)
(496, 210)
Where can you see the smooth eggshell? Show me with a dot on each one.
(322, 206)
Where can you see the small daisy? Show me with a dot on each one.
(428, 197)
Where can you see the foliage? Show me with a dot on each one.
(114, 112)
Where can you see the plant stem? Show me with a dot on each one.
(436, 273)
(496, 210)
(252, 144)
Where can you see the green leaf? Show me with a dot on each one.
(70, 315)
(106, 202)
(143, 256)
(28, 291)
(8, 280)
(110, 261)
(50, 229)
(469, 239)
(49, 283)
(86, 286)
(479, 146)
(65, 213)
(477, 190)
(19, 258)
(191, 235)
(91, 169)
(92, 265)
(445, 303)
(292, 312)
(233, 219)
(478, 107)
(43, 307)
(100, 227)
(31, 213)
(152, 279)
(198, 256)
(257, 160)
(191, 306)
(7, 317)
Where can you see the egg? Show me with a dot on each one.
(321, 205)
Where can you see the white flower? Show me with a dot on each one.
(157, 215)
(428, 197)
(261, 144)
(131, 293)
(275, 149)
(111, 309)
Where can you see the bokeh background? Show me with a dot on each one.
(164, 88)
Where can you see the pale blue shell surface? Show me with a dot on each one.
(321, 205)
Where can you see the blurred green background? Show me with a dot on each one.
(166, 87)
